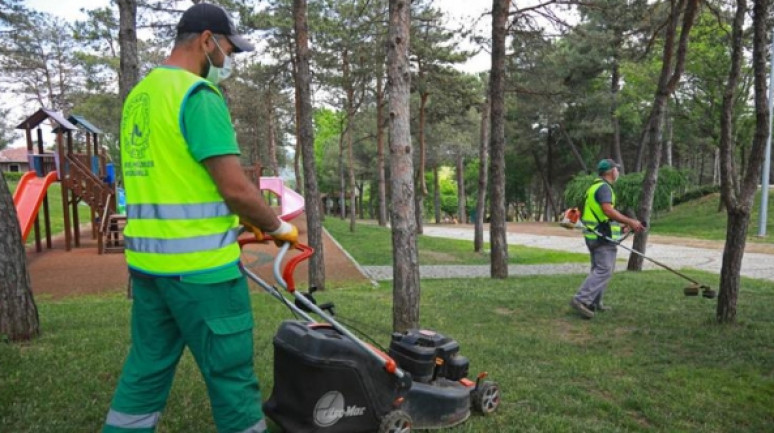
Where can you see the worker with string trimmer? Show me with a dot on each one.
(602, 226)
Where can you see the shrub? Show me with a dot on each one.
(698, 192)
(12, 176)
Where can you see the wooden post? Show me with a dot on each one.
(64, 182)
(74, 198)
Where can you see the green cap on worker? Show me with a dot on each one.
(606, 165)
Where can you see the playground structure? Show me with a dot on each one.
(89, 178)
(84, 177)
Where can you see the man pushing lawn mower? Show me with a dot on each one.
(601, 227)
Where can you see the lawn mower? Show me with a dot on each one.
(328, 380)
(691, 290)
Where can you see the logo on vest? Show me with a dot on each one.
(330, 408)
(136, 129)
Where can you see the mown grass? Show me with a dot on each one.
(702, 218)
(655, 363)
(371, 245)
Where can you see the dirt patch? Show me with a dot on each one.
(57, 273)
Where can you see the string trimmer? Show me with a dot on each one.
(691, 290)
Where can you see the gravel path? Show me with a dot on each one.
(754, 265)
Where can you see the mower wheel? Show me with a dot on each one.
(396, 421)
(486, 398)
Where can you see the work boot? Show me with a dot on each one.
(582, 309)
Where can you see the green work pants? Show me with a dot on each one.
(215, 322)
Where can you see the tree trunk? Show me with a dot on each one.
(18, 312)
(272, 150)
(461, 196)
(497, 227)
(405, 313)
(311, 193)
(670, 76)
(437, 194)
(297, 154)
(127, 39)
(348, 131)
(380, 150)
(422, 188)
(739, 201)
(483, 153)
(342, 178)
(615, 86)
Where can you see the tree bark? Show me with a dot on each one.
(313, 206)
(422, 188)
(615, 87)
(404, 231)
(497, 226)
(483, 170)
(350, 91)
(461, 196)
(380, 149)
(670, 76)
(127, 39)
(437, 194)
(18, 313)
(739, 199)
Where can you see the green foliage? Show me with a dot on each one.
(628, 189)
(696, 193)
(12, 177)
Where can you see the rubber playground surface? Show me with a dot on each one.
(56, 273)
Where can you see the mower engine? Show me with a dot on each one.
(428, 355)
(441, 395)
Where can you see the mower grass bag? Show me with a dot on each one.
(324, 382)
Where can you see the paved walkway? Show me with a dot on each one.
(754, 265)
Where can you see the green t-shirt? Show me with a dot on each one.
(208, 131)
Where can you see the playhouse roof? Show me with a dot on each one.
(81, 123)
(85, 124)
(39, 116)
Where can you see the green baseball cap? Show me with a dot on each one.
(606, 165)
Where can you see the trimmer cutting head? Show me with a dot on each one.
(693, 290)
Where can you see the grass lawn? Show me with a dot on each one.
(701, 219)
(655, 363)
(371, 245)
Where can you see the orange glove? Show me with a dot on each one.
(254, 230)
(285, 233)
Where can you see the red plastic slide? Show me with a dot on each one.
(28, 197)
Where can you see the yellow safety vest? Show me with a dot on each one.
(593, 214)
(177, 222)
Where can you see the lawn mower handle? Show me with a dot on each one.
(285, 280)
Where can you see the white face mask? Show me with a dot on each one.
(216, 75)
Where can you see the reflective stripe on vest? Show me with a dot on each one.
(177, 211)
(133, 422)
(182, 245)
(177, 221)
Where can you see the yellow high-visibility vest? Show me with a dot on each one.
(593, 214)
(177, 222)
